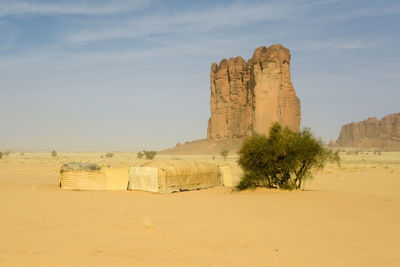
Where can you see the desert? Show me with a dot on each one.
(199, 133)
(346, 216)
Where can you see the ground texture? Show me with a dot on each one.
(348, 216)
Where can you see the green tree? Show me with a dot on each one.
(150, 154)
(140, 155)
(284, 159)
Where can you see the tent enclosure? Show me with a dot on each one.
(227, 179)
(167, 176)
(83, 180)
(82, 176)
(116, 178)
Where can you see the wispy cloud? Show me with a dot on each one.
(362, 12)
(189, 21)
(228, 17)
(343, 44)
(18, 7)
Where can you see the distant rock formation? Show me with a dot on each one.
(372, 133)
(248, 97)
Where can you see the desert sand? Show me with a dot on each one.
(347, 216)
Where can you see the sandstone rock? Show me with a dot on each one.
(384, 133)
(248, 97)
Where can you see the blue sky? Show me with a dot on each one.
(130, 75)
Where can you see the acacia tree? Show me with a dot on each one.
(284, 159)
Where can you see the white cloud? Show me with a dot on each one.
(344, 44)
(17, 7)
(189, 22)
(366, 12)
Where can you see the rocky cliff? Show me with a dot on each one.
(374, 133)
(247, 97)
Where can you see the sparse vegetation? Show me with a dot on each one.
(109, 155)
(7, 153)
(150, 154)
(54, 153)
(282, 160)
(78, 166)
(224, 153)
(1, 155)
(140, 155)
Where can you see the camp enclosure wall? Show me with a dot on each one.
(227, 179)
(169, 176)
(104, 179)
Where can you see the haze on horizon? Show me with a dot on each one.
(131, 75)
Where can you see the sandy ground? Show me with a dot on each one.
(348, 216)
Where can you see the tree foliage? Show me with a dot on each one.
(150, 154)
(109, 155)
(224, 153)
(284, 159)
(54, 153)
(140, 155)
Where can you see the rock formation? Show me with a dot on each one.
(248, 97)
(372, 133)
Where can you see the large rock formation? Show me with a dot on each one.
(374, 133)
(248, 97)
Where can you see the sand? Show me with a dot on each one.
(348, 216)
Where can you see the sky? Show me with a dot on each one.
(119, 75)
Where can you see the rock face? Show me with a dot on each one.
(248, 97)
(372, 133)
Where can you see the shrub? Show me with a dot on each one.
(140, 155)
(7, 153)
(282, 160)
(79, 166)
(150, 154)
(109, 155)
(224, 153)
(1, 155)
(54, 153)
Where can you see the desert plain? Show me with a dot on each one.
(347, 216)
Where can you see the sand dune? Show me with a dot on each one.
(347, 216)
